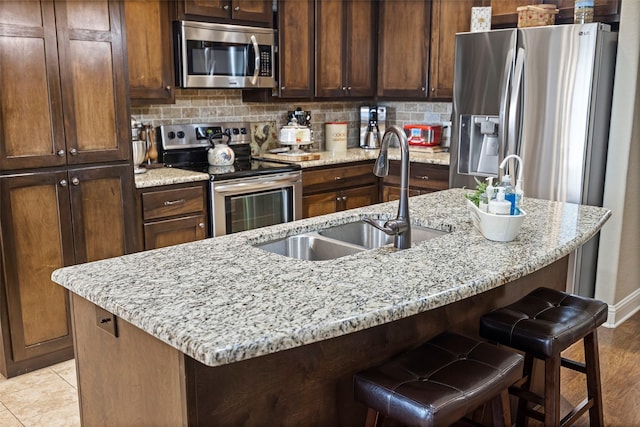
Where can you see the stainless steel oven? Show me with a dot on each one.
(249, 194)
(253, 202)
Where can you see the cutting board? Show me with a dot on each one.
(293, 158)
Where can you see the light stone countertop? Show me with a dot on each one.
(221, 300)
(166, 176)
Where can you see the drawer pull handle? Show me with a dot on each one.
(174, 202)
(201, 225)
(337, 178)
(423, 177)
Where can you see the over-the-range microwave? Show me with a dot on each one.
(223, 56)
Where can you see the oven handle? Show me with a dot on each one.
(254, 185)
(256, 50)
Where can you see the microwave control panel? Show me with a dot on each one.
(265, 61)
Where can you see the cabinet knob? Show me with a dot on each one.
(75, 181)
(282, 88)
(237, 8)
(433, 89)
(348, 87)
(225, 7)
(74, 151)
(61, 153)
(423, 88)
(167, 88)
(201, 225)
(337, 178)
(344, 88)
(344, 197)
(63, 183)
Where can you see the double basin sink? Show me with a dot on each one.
(340, 240)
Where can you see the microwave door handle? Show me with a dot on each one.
(514, 135)
(504, 91)
(256, 69)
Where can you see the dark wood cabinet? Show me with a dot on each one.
(423, 178)
(173, 214)
(251, 11)
(62, 84)
(63, 107)
(150, 52)
(345, 48)
(336, 188)
(403, 48)
(296, 48)
(447, 19)
(49, 220)
(504, 13)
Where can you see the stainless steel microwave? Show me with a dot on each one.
(223, 56)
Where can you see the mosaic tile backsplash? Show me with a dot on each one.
(194, 106)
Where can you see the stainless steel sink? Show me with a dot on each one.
(309, 247)
(340, 240)
(362, 234)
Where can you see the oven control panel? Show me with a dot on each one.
(181, 136)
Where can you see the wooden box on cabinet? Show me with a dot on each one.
(336, 188)
(150, 52)
(423, 178)
(254, 12)
(173, 214)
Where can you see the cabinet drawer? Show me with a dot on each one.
(166, 203)
(339, 177)
(421, 176)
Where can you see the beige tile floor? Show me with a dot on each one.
(47, 397)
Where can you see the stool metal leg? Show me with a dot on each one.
(594, 388)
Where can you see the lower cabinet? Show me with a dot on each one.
(423, 178)
(173, 214)
(336, 188)
(49, 220)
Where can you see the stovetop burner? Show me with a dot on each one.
(185, 146)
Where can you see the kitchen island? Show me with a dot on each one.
(219, 332)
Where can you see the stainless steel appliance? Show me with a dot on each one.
(543, 93)
(223, 56)
(246, 195)
(373, 121)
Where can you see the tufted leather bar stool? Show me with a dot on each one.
(439, 382)
(543, 324)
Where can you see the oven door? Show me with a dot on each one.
(248, 203)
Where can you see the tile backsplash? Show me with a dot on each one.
(194, 106)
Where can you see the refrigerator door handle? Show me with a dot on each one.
(512, 140)
(504, 91)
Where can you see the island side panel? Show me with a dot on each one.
(312, 385)
(131, 379)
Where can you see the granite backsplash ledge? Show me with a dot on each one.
(224, 105)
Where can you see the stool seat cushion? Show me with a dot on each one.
(544, 322)
(438, 382)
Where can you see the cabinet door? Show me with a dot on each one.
(103, 210)
(390, 193)
(149, 52)
(448, 18)
(296, 47)
(259, 11)
(31, 121)
(345, 41)
(359, 197)
(320, 204)
(170, 232)
(94, 98)
(403, 52)
(37, 238)
(209, 8)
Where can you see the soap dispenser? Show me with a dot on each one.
(499, 205)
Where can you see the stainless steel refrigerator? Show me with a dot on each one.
(543, 93)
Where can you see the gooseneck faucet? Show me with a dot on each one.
(399, 227)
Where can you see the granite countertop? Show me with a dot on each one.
(166, 176)
(222, 300)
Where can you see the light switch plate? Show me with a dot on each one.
(480, 19)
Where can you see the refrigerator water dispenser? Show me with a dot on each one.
(479, 148)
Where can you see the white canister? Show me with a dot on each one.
(335, 136)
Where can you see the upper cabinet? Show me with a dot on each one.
(296, 48)
(504, 12)
(403, 51)
(149, 52)
(345, 48)
(447, 18)
(258, 12)
(63, 93)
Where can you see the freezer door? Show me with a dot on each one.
(483, 69)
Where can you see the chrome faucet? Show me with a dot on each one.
(400, 227)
